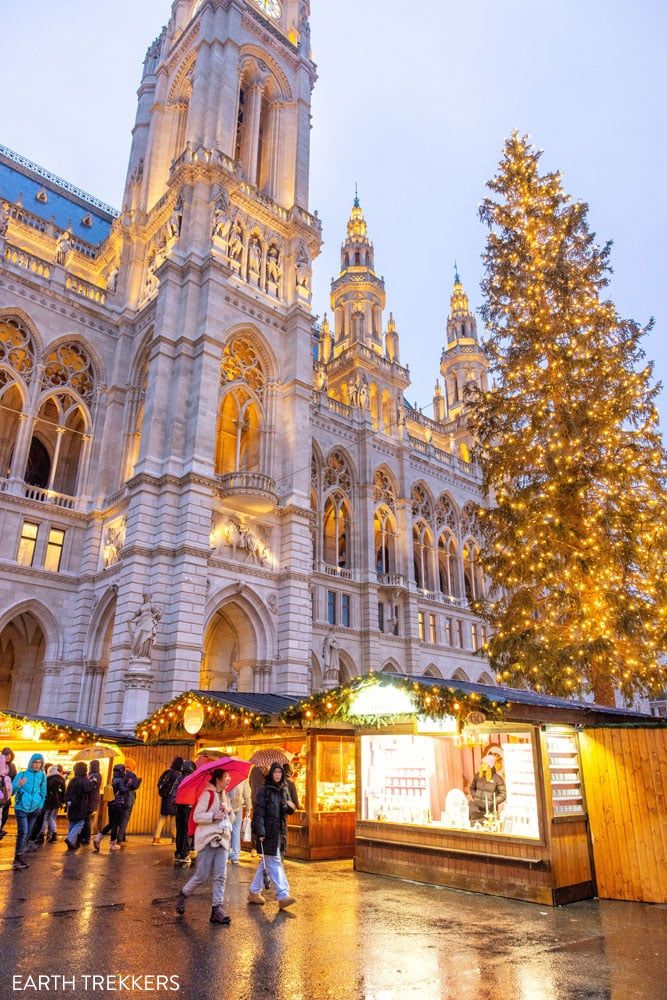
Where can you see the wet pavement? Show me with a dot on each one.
(350, 937)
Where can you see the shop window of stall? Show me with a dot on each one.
(487, 786)
(336, 786)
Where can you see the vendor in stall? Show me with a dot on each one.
(487, 789)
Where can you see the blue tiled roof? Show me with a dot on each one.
(66, 206)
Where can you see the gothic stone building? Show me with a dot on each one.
(198, 488)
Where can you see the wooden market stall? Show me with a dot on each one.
(421, 743)
(241, 724)
(60, 740)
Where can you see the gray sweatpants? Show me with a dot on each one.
(211, 864)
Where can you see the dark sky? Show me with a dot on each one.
(414, 102)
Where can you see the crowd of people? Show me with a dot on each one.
(207, 835)
(42, 790)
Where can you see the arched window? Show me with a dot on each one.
(472, 572)
(57, 446)
(137, 403)
(239, 434)
(388, 421)
(337, 532)
(384, 530)
(239, 438)
(11, 408)
(448, 566)
(422, 550)
(421, 503)
(17, 367)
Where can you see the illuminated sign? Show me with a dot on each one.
(376, 700)
(193, 718)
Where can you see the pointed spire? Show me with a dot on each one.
(459, 304)
(391, 324)
(357, 230)
(457, 279)
(356, 195)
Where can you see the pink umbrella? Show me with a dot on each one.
(190, 788)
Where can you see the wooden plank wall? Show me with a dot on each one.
(151, 762)
(625, 771)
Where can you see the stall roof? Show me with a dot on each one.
(122, 739)
(533, 699)
(264, 704)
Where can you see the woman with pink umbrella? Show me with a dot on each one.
(206, 789)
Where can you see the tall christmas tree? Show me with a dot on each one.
(569, 444)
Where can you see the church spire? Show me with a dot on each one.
(462, 360)
(461, 324)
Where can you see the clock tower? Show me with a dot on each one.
(212, 263)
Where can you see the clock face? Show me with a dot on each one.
(270, 7)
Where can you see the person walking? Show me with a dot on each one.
(183, 838)
(94, 799)
(29, 789)
(55, 796)
(77, 797)
(6, 792)
(165, 787)
(212, 817)
(241, 803)
(122, 785)
(130, 772)
(272, 806)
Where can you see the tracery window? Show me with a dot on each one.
(445, 514)
(421, 504)
(68, 365)
(384, 530)
(17, 350)
(383, 490)
(241, 363)
(239, 434)
(337, 473)
(472, 571)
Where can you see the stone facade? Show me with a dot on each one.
(199, 488)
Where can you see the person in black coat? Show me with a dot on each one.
(55, 796)
(487, 788)
(269, 825)
(165, 786)
(77, 797)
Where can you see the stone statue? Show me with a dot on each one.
(304, 271)
(112, 280)
(254, 257)
(363, 393)
(304, 27)
(114, 539)
(4, 219)
(143, 629)
(64, 246)
(354, 393)
(273, 271)
(176, 220)
(220, 226)
(235, 251)
(331, 658)
(233, 684)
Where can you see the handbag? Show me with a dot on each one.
(108, 794)
(246, 830)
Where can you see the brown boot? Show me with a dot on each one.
(180, 903)
(256, 898)
(287, 901)
(218, 917)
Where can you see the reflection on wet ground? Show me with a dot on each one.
(350, 937)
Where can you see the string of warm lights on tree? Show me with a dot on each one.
(569, 444)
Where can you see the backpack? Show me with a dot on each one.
(192, 826)
(166, 783)
(5, 791)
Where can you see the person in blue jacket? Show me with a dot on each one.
(29, 789)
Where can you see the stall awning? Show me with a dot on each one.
(53, 726)
(264, 704)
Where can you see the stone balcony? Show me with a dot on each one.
(248, 492)
(36, 493)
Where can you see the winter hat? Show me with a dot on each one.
(53, 770)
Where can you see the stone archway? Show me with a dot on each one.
(236, 647)
(22, 655)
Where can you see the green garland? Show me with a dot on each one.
(167, 722)
(430, 700)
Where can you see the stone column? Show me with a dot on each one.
(197, 112)
(138, 684)
(251, 121)
(51, 689)
(21, 448)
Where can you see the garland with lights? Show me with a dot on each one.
(50, 732)
(429, 700)
(168, 721)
